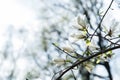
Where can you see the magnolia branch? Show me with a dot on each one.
(84, 60)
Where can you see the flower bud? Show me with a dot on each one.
(59, 61)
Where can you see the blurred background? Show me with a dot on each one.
(29, 27)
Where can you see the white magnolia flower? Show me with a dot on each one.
(68, 49)
(59, 61)
(78, 36)
(81, 23)
(111, 27)
(33, 74)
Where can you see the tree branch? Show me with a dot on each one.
(107, 66)
(84, 60)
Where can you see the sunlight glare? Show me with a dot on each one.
(12, 13)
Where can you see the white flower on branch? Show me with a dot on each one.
(82, 23)
(59, 61)
(68, 49)
(89, 66)
(113, 29)
(78, 36)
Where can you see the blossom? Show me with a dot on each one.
(112, 30)
(68, 49)
(81, 20)
(59, 61)
(78, 36)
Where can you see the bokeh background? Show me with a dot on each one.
(29, 27)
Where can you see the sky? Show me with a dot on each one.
(13, 13)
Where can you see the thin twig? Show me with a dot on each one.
(99, 25)
(73, 75)
(99, 76)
